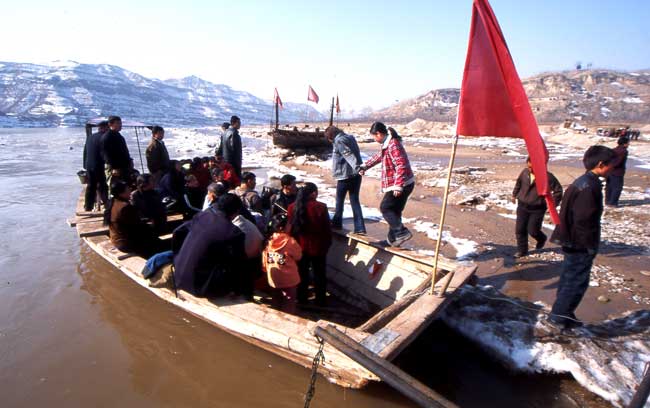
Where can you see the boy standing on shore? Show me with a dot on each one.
(579, 233)
(531, 208)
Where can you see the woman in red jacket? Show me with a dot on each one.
(309, 223)
(397, 180)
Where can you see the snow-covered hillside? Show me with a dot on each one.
(69, 93)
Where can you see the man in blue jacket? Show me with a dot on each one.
(346, 163)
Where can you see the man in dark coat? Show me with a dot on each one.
(94, 165)
(230, 148)
(281, 201)
(115, 152)
(531, 208)
(614, 186)
(157, 155)
(211, 249)
(579, 234)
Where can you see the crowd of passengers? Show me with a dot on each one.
(233, 239)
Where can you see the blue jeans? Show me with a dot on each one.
(573, 284)
(350, 185)
(613, 189)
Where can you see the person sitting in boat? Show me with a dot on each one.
(231, 148)
(397, 180)
(158, 161)
(172, 187)
(287, 195)
(201, 173)
(279, 261)
(346, 163)
(215, 190)
(149, 203)
(251, 268)
(309, 223)
(193, 195)
(127, 231)
(246, 191)
(226, 173)
(209, 249)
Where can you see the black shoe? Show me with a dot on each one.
(540, 244)
(520, 254)
(402, 237)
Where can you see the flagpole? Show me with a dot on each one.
(443, 213)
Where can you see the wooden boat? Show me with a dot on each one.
(300, 139)
(394, 300)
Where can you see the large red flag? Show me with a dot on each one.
(311, 95)
(276, 98)
(493, 101)
(338, 107)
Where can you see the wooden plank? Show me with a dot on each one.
(416, 317)
(391, 374)
(91, 229)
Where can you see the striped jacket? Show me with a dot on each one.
(395, 167)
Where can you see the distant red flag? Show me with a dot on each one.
(276, 98)
(338, 107)
(311, 95)
(493, 101)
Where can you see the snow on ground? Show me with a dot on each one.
(609, 358)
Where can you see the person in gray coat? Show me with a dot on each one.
(346, 163)
(230, 148)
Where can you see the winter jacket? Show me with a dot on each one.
(210, 252)
(316, 236)
(395, 167)
(280, 261)
(582, 207)
(282, 200)
(526, 192)
(149, 205)
(115, 151)
(93, 159)
(250, 198)
(346, 158)
(126, 229)
(231, 149)
(157, 156)
(620, 161)
(254, 240)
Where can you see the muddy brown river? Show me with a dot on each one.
(74, 332)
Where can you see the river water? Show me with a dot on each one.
(74, 332)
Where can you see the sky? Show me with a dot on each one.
(372, 53)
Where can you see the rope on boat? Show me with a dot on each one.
(319, 358)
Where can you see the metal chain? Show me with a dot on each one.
(319, 358)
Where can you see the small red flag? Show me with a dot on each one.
(276, 98)
(338, 107)
(493, 101)
(311, 95)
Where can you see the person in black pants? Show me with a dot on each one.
(614, 186)
(94, 165)
(346, 164)
(531, 208)
(579, 234)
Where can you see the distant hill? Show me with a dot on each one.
(591, 96)
(69, 93)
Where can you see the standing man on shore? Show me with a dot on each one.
(579, 234)
(94, 165)
(230, 148)
(614, 186)
(157, 155)
(346, 163)
(115, 152)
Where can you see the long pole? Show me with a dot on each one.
(137, 138)
(332, 112)
(443, 213)
(277, 115)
